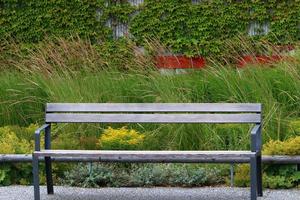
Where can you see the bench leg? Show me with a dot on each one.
(259, 176)
(36, 180)
(253, 176)
(49, 179)
(48, 165)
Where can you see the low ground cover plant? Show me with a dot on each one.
(143, 175)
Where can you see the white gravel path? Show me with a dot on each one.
(158, 193)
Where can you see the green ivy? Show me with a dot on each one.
(33, 20)
(191, 28)
(202, 28)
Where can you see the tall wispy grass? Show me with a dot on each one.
(76, 71)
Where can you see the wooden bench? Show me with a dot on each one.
(150, 113)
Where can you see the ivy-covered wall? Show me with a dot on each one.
(198, 27)
(202, 27)
(32, 20)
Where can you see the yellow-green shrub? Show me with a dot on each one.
(288, 147)
(122, 138)
(16, 140)
(10, 143)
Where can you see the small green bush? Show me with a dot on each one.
(275, 182)
(281, 176)
(275, 176)
(242, 176)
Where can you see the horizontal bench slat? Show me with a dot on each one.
(153, 107)
(148, 156)
(152, 118)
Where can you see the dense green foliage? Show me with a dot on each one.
(186, 27)
(203, 27)
(31, 21)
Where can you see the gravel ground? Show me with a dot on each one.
(159, 193)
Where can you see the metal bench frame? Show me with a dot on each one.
(150, 113)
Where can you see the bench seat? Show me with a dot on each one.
(148, 156)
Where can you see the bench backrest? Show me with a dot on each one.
(153, 113)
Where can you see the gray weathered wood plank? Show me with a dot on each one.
(276, 159)
(152, 118)
(153, 107)
(139, 152)
(147, 156)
